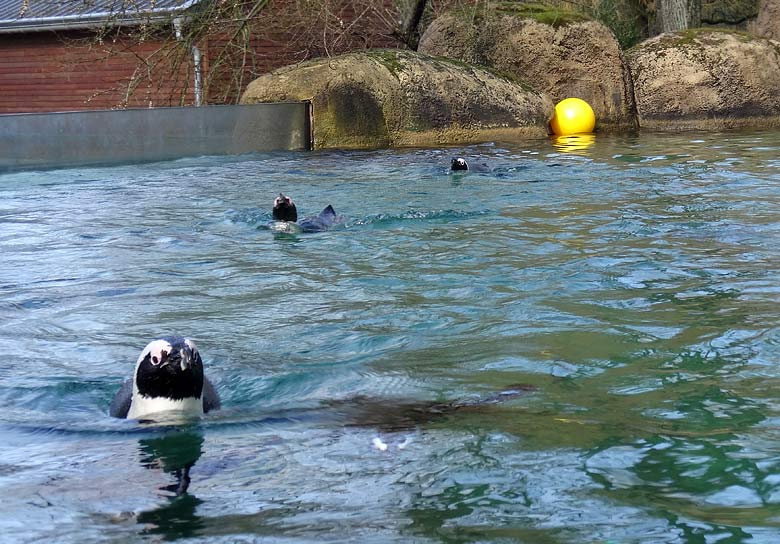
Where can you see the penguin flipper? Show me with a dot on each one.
(328, 213)
(120, 406)
(210, 397)
(323, 221)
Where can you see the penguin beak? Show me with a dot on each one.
(185, 359)
(182, 359)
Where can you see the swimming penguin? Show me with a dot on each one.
(285, 211)
(168, 377)
(459, 164)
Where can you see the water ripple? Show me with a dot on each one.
(630, 290)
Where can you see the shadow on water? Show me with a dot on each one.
(392, 415)
(174, 454)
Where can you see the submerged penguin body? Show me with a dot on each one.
(317, 223)
(285, 216)
(460, 165)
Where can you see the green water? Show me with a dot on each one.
(626, 291)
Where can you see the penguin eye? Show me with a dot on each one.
(159, 360)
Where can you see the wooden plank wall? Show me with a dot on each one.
(71, 71)
(46, 71)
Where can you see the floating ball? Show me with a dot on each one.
(573, 116)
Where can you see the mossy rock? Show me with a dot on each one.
(554, 16)
(382, 98)
(706, 79)
(563, 54)
(728, 12)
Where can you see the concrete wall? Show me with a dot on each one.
(53, 140)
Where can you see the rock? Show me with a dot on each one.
(706, 79)
(564, 56)
(454, 37)
(728, 12)
(386, 98)
(767, 22)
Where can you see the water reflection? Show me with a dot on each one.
(574, 143)
(175, 454)
(174, 520)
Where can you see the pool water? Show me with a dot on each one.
(625, 291)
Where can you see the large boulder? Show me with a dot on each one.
(767, 22)
(386, 98)
(706, 79)
(562, 56)
(733, 13)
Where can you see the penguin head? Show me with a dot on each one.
(284, 209)
(459, 163)
(169, 368)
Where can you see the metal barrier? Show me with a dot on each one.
(56, 140)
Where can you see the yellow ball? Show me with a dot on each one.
(573, 116)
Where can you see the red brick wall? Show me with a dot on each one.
(47, 71)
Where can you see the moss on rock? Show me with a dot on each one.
(563, 54)
(385, 98)
(706, 79)
(554, 16)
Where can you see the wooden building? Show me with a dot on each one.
(66, 55)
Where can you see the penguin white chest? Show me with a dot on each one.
(142, 406)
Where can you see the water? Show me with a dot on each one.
(626, 288)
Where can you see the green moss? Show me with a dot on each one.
(692, 35)
(627, 19)
(462, 65)
(745, 37)
(548, 15)
(389, 58)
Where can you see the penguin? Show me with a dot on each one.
(284, 209)
(168, 377)
(286, 212)
(459, 164)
